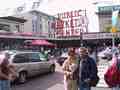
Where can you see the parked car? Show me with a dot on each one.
(28, 64)
(62, 58)
(105, 54)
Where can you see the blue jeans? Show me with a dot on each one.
(116, 88)
(84, 86)
(4, 85)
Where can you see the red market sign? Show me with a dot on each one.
(71, 23)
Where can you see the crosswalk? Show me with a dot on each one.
(102, 67)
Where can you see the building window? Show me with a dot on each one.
(40, 18)
(17, 28)
(34, 24)
(40, 26)
(22, 27)
(4, 27)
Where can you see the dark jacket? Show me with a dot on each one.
(88, 70)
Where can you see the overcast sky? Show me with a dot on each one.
(53, 7)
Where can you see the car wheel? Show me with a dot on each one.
(22, 77)
(52, 69)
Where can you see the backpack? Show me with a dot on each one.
(95, 81)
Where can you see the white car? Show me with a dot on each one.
(62, 58)
(105, 54)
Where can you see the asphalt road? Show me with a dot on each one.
(43, 82)
(46, 82)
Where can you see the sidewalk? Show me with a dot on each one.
(101, 88)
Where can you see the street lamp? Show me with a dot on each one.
(81, 30)
(81, 38)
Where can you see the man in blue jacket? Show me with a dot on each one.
(87, 70)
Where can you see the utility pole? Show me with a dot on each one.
(81, 30)
(114, 27)
(81, 38)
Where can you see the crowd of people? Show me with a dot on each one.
(81, 72)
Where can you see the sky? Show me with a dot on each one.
(53, 7)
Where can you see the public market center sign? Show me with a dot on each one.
(71, 23)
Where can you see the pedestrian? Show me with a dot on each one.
(7, 72)
(112, 75)
(118, 49)
(69, 67)
(87, 71)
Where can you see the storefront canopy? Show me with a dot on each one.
(41, 43)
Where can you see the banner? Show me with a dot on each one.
(114, 17)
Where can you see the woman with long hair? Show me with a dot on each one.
(69, 67)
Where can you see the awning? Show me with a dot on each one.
(41, 43)
(12, 18)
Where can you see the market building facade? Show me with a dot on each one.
(38, 23)
(68, 29)
(105, 17)
(16, 29)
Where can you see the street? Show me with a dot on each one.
(43, 82)
(35, 33)
(46, 82)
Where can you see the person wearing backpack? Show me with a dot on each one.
(87, 71)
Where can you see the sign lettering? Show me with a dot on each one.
(70, 23)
